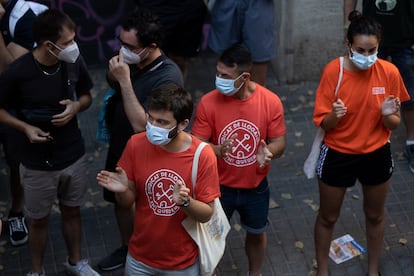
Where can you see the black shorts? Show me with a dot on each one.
(342, 170)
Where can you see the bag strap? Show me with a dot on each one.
(341, 73)
(195, 165)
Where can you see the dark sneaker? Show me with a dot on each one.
(410, 157)
(115, 260)
(18, 230)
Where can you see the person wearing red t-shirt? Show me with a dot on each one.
(244, 123)
(154, 173)
(358, 121)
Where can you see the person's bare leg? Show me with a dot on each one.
(330, 205)
(16, 190)
(125, 220)
(255, 250)
(374, 202)
(38, 232)
(408, 116)
(259, 72)
(71, 228)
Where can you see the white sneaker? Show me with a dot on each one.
(35, 274)
(82, 268)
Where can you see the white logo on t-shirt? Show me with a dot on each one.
(159, 188)
(243, 152)
(385, 5)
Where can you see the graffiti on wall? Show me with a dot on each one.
(98, 25)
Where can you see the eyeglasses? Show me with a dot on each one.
(129, 46)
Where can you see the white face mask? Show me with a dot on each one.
(69, 54)
(361, 61)
(159, 136)
(130, 57)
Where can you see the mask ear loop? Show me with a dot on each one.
(173, 133)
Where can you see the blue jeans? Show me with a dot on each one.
(251, 204)
(403, 58)
(135, 267)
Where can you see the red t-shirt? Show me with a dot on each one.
(361, 129)
(159, 240)
(258, 117)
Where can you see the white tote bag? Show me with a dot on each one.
(310, 163)
(209, 236)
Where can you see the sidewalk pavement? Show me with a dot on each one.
(294, 200)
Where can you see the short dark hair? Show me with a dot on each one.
(171, 97)
(237, 55)
(362, 25)
(49, 24)
(147, 24)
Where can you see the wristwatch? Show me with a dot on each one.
(186, 202)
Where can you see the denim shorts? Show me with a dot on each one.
(403, 58)
(251, 204)
(250, 22)
(135, 267)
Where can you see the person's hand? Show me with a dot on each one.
(180, 193)
(72, 108)
(339, 108)
(118, 69)
(227, 146)
(114, 181)
(390, 105)
(263, 156)
(36, 135)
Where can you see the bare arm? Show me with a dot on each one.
(349, 5)
(119, 71)
(198, 210)
(331, 119)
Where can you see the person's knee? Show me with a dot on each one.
(70, 212)
(256, 237)
(327, 220)
(38, 223)
(374, 218)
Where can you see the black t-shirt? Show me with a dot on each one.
(24, 86)
(160, 71)
(397, 19)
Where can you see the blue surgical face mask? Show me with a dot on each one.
(159, 136)
(226, 86)
(361, 61)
